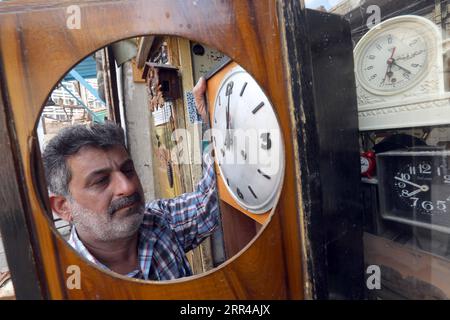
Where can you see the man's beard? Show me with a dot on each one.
(107, 226)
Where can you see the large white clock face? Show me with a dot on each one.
(395, 57)
(394, 61)
(247, 142)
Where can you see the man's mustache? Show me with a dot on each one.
(123, 202)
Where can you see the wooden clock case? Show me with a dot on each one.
(271, 40)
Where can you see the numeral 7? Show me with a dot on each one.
(415, 201)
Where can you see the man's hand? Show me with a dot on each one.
(199, 97)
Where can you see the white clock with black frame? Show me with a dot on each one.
(247, 142)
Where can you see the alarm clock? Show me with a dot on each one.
(368, 164)
(414, 187)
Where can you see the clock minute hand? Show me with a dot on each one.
(227, 137)
(406, 70)
(228, 113)
(414, 192)
(422, 188)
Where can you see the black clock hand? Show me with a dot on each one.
(228, 113)
(406, 70)
(227, 135)
(228, 140)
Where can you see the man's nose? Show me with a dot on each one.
(123, 185)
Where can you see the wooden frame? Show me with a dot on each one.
(37, 49)
(322, 85)
(303, 61)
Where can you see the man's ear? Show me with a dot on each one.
(60, 206)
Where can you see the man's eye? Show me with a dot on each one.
(101, 181)
(128, 171)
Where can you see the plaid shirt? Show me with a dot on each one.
(170, 228)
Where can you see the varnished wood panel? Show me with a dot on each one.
(238, 229)
(37, 49)
(17, 242)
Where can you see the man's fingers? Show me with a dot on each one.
(199, 97)
(200, 88)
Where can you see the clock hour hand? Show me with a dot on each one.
(421, 187)
(388, 74)
(228, 140)
(414, 193)
(227, 115)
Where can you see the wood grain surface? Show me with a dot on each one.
(37, 49)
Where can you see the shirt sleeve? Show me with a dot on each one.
(193, 216)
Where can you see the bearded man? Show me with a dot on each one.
(94, 186)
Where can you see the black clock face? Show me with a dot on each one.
(415, 188)
(423, 187)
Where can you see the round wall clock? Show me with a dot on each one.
(395, 56)
(247, 142)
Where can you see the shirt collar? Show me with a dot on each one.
(78, 245)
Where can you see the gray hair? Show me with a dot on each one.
(68, 142)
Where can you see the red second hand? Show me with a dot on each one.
(389, 62)
(392, 56)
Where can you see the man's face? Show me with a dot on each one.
(106, 197)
